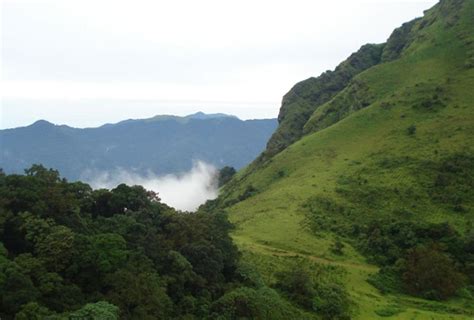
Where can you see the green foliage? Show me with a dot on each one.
(331, 301)
(16, 288)
(355, 97)
(248, 303)
(307, 96)
(389, 311)
(358, 176)
(249, 276)
(225, 174)
(411, 130)
(107, 252)
(298, 284)
(328, 299)
(337, 248)
(55, 249)
(388, 279)
(431, 274)
(249, 191)
(101, 310)
(140, 295)
(399, 40)
(33, 311)
(454, 182)
(68, 251)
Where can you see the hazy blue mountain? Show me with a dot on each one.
(162, 144)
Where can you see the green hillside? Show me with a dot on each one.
(379, 181)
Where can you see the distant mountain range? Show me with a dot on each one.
(163, 144)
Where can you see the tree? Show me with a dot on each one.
(139, 294)
(107, 252)
(55, 249)
(225, 175)
(429, 273)
(49, 176)
(411, 130)
(248, 303)
(298, 285)
(337, 247)
(63, 244)
(331, 301)
(33, 311)
(101, 310)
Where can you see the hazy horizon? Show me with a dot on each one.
(118, 120)
(93, 62)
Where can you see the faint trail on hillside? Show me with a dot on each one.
(285, 253)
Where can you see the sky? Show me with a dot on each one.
(85, 63)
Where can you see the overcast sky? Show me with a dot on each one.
(85, 63)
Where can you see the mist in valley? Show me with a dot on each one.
(185, 191)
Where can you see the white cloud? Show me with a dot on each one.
(186, 191)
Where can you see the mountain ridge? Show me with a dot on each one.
(197, 115)
(374, 170)
(168, 145)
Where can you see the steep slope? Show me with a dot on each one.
(393, 147)
(163, 144)
(306, 96)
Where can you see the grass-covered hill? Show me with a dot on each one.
(371, 175)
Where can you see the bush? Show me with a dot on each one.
(387, 280)
(248, 192)
(225, 175)
(331, 301)
(328, 299)
(298, 285)
(431, 274)
(389, 311)
(411, 130)
(337, 247)
(100, 310)
(248, 303)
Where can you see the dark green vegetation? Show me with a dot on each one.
(305, 97)
(362, 207)
(330, 300)
(372, 170)
(67, 252)
(136, 145)
(225, 175)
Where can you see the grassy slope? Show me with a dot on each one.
(306, 96)
(272, 226)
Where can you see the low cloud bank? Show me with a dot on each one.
(185, 191)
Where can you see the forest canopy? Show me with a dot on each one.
(68, 250)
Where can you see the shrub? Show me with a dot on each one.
(431, 274)
(248, 303)
(337, 247)
(411, 130)
(298, 285)
(328, 299)
(389, 311)
(331, 301)
(387, 280)
(248, 192)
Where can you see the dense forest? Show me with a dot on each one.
(361, 207)
(68, 251)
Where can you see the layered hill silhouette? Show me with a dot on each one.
(162, 144)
